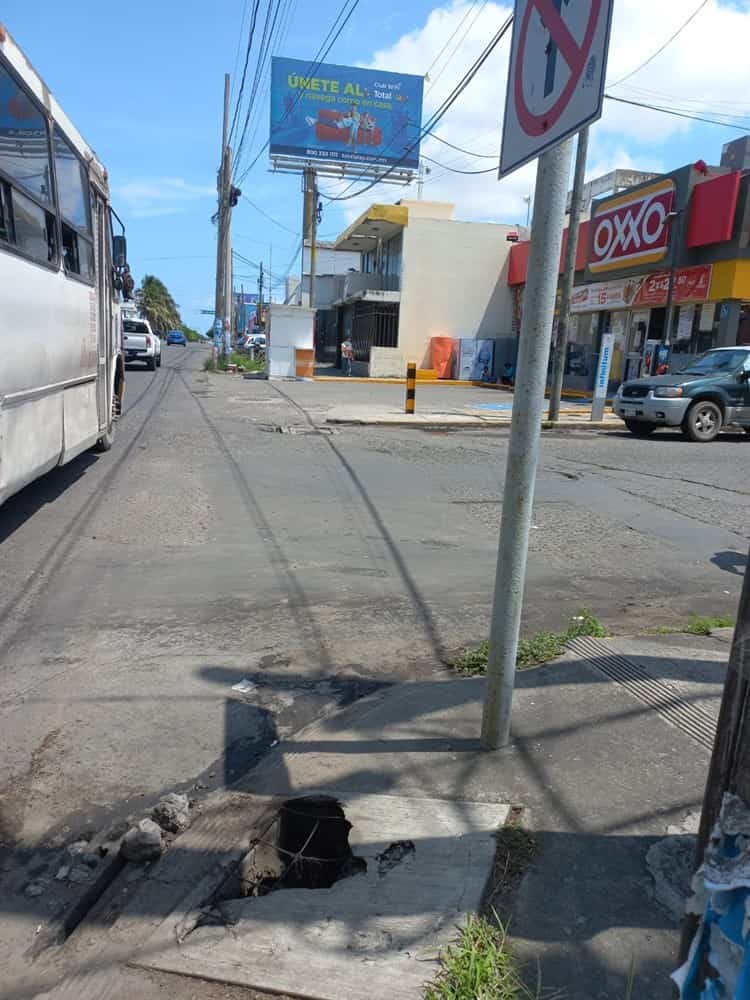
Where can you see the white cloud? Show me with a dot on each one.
(144, 199)
(704, 70)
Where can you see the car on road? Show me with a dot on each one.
(711, 392)
(140, 343)
(176, 337)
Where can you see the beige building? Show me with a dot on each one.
(423, 274)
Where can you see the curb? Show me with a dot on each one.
(417, 424)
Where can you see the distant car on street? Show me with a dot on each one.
(712, 392)
(176, 337)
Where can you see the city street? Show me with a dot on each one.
(230, 534)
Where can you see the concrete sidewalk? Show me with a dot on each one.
(610, 753)
(489, 414)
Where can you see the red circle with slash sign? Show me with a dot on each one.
(575, 56)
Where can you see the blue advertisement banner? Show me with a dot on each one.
(344, 114)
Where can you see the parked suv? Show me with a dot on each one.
(713, 391)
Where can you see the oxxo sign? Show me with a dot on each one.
(632, 229)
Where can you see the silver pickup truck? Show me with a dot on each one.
(140, 343)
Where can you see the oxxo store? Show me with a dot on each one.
(690, 228)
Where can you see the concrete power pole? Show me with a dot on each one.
(309, 228)
(260, 296)
(569, 270)
(729, 770)
(223, 292)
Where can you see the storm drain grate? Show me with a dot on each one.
(696, 722)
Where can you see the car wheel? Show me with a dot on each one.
(703, 421)
(158, 361)
(151, 364)
(641, 428)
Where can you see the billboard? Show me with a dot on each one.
(345, 114)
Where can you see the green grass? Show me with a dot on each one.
(479, 965)
(533, 650)
(696, 625)
(241, 360)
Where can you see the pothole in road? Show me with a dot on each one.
(297, 429)
(305, 846)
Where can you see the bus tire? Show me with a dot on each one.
(107, 439)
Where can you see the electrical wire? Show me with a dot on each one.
(270, 218)
(459, 43)
(676, 114)
(460, 149)
(435, 117)
(661, 48)
(250, 36)
(321, 54)
(269, 26)
(455, 170)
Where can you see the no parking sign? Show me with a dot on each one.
(556, 76)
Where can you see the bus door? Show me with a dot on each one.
(104, 313)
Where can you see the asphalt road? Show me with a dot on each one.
(225, 537)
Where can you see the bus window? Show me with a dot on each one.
(34, 229)
(6, 234)
(24, 153)
(72, 188)
(73, 200)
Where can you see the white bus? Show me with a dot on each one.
(61, 368)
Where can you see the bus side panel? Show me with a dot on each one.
(80, 420)
(47, 337)
(47, 327)
(30, 441)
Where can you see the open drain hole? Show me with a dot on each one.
(305, 846)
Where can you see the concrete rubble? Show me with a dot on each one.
(172, 812)
(143, 842)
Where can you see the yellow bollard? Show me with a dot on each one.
(411, 383)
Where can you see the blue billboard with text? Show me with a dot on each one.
(342, 114)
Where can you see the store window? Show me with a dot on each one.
(696, 329)
(582, 341)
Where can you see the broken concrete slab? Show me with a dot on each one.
(369, 936)
(142, 842)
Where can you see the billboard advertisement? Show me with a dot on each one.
(345, 114)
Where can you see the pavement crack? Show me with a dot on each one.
(655, 475)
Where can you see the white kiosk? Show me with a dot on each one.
(290, 341)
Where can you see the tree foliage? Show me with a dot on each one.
(157, 305)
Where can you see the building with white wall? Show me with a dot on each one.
(423, 274)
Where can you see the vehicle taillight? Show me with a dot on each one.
(148, 342)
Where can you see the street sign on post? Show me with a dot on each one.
(555, 81)
(602, 376)
(558, 61)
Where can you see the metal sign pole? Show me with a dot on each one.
(528, 406)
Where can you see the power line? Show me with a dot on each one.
(312, 68)
(459, 43)
(460, 149)
(676, 114)
(250, 36)
(661, 48)
(436, 116)
(455, 170)
(294, 232)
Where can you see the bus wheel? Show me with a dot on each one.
(107, 439)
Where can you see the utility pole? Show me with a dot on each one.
(729, 770)
(569, 270)
(228, 278)
(260, 296)
(270, 274)
(310, 229)
(224, 183)
(523, 450)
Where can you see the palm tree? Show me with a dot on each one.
(157, 305)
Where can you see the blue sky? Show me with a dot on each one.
(143, 82)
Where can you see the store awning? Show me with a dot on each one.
(379, 222)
